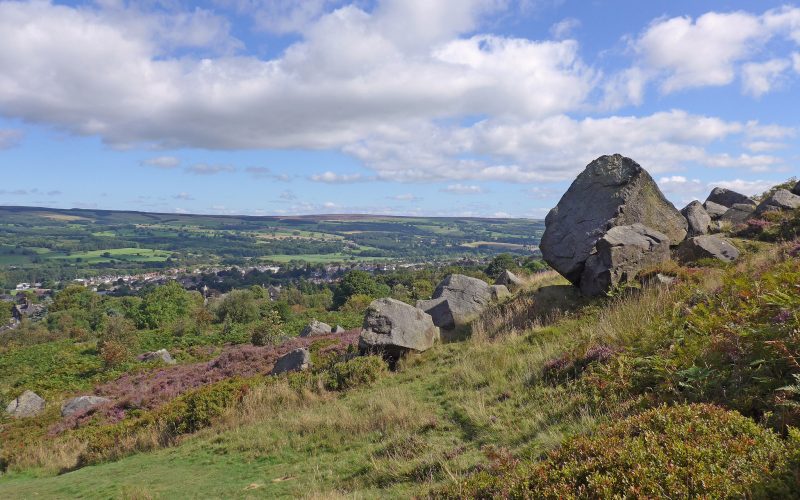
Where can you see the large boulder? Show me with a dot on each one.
(738, 213)
(728, 198)
(796, 189)
(611, 191)
(456, 301)
(316, 328)
(782, 199)
(509, 280)
(620, 254)
(27, 404)
(697, 217)
(294, 361)
(159, 355)
(706, 247)
(714, 210)
(393, 328)
(80, 404)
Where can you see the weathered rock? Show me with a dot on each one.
(782, 199)
(27, 404)
(796, 189)
(499, 291)
(510, 280)
(697, 217)
(456, 301)
(620, 254)
(315, 328)
(611, 191)
(81, 403)
(738, 213)
(715, 210)
(339, 329)
(393, 328)
(706, 247)
(728, 198)
(161, 354)
(294, 361)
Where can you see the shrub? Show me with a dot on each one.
(268, 330)
(114, 353)
(363, 370)
(239, 306)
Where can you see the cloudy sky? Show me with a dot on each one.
(430, 107)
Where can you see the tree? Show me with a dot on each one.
(164, 304)
(358, 283)
(267, 330)
(239, 306)
(500, 264)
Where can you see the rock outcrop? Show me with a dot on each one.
(393, 328)
(620, 254)
(697, 217)
(796, 189)
(293, 361)
(509, 280)
(27, 404)
(316, 328)
(738, 213)
(728, 198)
(612, 191)
(161, 354)
(706, 247)
(456, 301)
(714, 210)
(782, 199)
(80, 404)
(499, 291)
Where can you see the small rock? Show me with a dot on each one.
(738, 213)
(81, 403)
(728, 198)
(706, 247)
(499, 291)
(697, 217)
(316, 328)
(294, 361)
(161, 354)
(780, 200)
(510, 280)
(394, 328)
(27, 404)
(714, 210)
(456, 301)
(339, 329)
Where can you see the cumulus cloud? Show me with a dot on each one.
(462, 189)
(10, 138)
(334, 178)
(760, 78)
(678, 184)
(405, 197)
(164, 162)
(564, 28)
(206, 169)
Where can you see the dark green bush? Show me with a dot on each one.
(363, 370)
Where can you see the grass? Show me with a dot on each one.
(124, 254)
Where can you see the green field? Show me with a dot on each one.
(123, 254)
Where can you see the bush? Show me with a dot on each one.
(239, 306)
(363, 370)
(684, 451)
(268, 330)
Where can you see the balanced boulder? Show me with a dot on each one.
(393, 328)
(728, 198)
(782, 199)
(294, 361)
(738, 213)
(159, 355)
(27, 404)
(316, 328)
(706, 247)
(457, 300)
(620, 254)
(611, 191)
(510, 280)
(81, 404)
(714, 210)
(697, 217)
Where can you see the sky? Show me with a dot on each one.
(405, 107)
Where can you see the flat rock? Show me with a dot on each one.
(27, 404)
(728, 198)
(738, 213)
(80, 404)
(159, 355)
(316, 328)
(456, 301)
(393, 328)
(715, 210)
(620, 254)
(510, 280)
(706, 247)
(697, 217)
(611, 191)
(780, 200)
(499, 291)
(294, 361)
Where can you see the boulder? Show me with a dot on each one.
(161, 354)
(697, 217)
(714, 210)
(706, 247)
(27, 404)
(316, 328)
(796, 189)
(393, 328)
(294, 361)
(782, 199)
(611, 191)
(728, 198)
(738, 213)
(510, 280)
(456, 301)
(499, 291)
(80, 404)
(620, 254)
(339, 329)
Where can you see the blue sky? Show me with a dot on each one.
(405, 107)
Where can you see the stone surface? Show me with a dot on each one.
(620, 254)
(728, 198)
(393, 328)
(611, 191)
(339, 329)
(499, 291)
(697, 217)
(294, 361)
(161, 354)
(714, 210)
(796, 189)
(510, 280)
(81, 403)
(782, 199)
(738, 214)
(706, 247)
(27, 404)
(316, 328)
(456, 301)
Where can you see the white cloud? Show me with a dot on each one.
(564, 28)
(405, 197)
(266, 173)
(796, 62)
(206, 169)
(164, 162)
(678, 184)
(9, 138)
(462, 189)
(762, 146)
(183, 196)
(760, 78)
(334, 178)
(745, 187)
